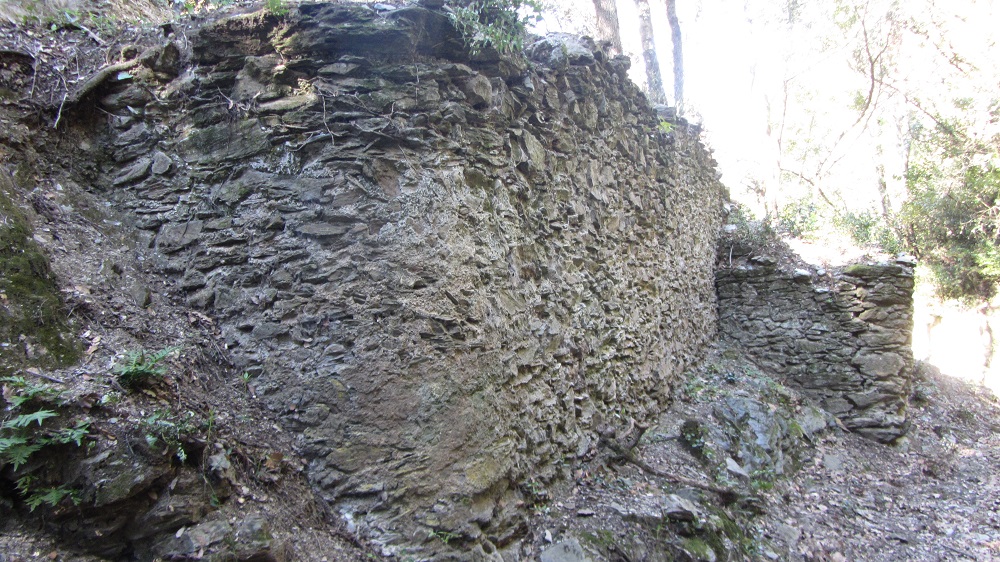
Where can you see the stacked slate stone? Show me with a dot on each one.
(843, 337)
(444, 272)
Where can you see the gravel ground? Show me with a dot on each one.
(934, 497)
(938, 500)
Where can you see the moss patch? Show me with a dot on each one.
(30, 304)
(699, 549)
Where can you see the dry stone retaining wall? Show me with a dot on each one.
(843, 337)
(444, 273)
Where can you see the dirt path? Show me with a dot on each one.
(937, 501)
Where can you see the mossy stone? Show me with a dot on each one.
(867, 271)
(30, 303)
(699, 550)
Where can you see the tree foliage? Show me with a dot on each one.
(951, 219)
(903, 150)
(497, 24)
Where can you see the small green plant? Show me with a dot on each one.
(444, 536)
(694, 436)
(696, 388)
(534, 489)
(276, 7)
(52, 495)
(665, 126)
(106, 24)
(170, 430)
(762, 479)
(139, 367)
(747, 230)
(26, 429)
(110, 398)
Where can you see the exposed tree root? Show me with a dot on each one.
(627, 453)
(103, 74)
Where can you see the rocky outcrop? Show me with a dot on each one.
(444, 273)
(842, 336)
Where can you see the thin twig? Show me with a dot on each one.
(55, 125)
(73, 21)
(312, 138)
(325, 124)
(34, 73)
(44, 376)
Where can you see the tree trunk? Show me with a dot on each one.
(675, 35)
(654, 82)
(607, 24)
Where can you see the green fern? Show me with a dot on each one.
(26, 391)
(73, 434)
(51, 496)
(140, 366)
(18, 454)
(25, 431)
(16, 444)
(24, 420)
(11, 442)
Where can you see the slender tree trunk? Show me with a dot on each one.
(654, 81)
(607, 24)
(675, 35)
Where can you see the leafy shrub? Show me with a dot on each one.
(951, 224)
(951, 218)
(869, 229)
(799, 218)
(745, 230)
(494, 23)
(276, 7)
